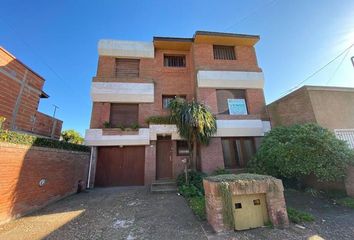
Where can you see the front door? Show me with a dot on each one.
(164, 158)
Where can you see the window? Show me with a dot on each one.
(231, 102)
(237, 151)
(182, 148)
(224, 52)
(127, 68)
(166, 99)
(123, 114)
(174, 61)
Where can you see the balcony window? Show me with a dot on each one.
(232, 102)
(127, 68)
(123, 114)
(174, 61)
(237, 152)
(224, 52)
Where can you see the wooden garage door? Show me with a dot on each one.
(118, 166)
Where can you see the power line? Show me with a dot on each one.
(317, 71)
(37, 55)
(339, 65)
(250, 14)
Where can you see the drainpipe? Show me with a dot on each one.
(89, 171)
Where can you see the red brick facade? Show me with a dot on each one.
(26, 166)
(21, 89)
(182, 81)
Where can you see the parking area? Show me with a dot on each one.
(109, 213)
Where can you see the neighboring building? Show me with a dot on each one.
(330, 107)
(136, 80)
(21, 90)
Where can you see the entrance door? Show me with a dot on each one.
(164, 158)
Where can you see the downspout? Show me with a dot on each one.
(89, 171)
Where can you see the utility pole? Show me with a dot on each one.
(55, 109)
(54, 122)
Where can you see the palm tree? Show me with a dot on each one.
(194, 122)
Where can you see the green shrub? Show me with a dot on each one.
(197, 204)
(297, 216)
(194, 178)
(189, 191)
(135, 126)
(26, 139)
(121, 126)
(299, 150)
(159, 120)
(72, 136)
(107, 124)
(346, 201)
(220, 171)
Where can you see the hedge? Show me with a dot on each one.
(26, 139)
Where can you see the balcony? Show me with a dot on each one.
(242, 128)
(98, 137)
(230, 79)
(122, 92)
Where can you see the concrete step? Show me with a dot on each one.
(163, 186)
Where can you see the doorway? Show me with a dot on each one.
(164, 158)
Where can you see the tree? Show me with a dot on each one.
(194, 122)
(72, 136)
(300, 150)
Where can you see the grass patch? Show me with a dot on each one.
(346, 201)
(297, 216)
(197, 204)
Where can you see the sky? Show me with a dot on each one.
(58, 40)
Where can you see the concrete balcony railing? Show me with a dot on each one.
(124, 92)
(98, 137)
(242, 128)
(230, 79)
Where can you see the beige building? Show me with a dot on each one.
(330, 107)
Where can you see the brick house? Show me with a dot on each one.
(21, 90)
(136, 80)
(330, 107)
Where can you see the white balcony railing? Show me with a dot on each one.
(242, 128)
(95, 137)
(230, 79)
(122, 92)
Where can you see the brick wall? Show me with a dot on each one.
(212, 156)
(167, 80)
(21, 169)
(43, 125)
(20, 91)
(246, 59)
(292, 109)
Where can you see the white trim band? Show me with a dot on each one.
(94, 137)
(126, 49)
(164, 129)
(241, 128)
(230, 79)
(122, 92)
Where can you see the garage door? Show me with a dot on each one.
(118, 166)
